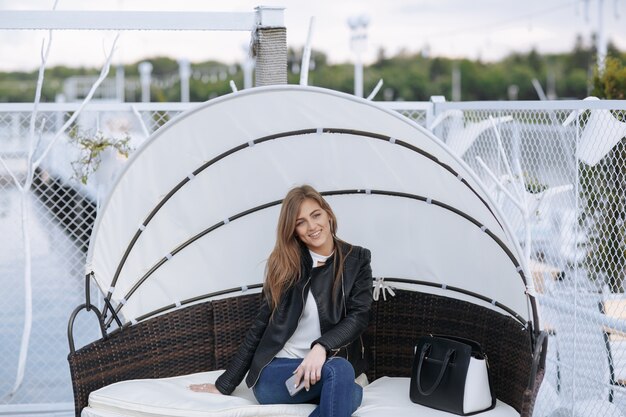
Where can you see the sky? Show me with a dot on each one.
(485, 29)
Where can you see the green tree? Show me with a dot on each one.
(603, 192)
(582, 56)
(535, 61)
(574, 84)
(611, 83)
(407, 76)
(439, 67)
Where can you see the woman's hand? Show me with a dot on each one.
(204, 388)
(310, 370)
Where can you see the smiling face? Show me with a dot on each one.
(313, 227)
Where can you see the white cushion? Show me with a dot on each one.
(170, 397)
(390, 397)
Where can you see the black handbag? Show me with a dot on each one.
(451, 374)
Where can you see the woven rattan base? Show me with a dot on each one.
(205, 336)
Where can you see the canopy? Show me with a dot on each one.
(194, 211)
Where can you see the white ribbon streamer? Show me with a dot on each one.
(380, 286)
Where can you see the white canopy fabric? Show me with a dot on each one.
(171, 229)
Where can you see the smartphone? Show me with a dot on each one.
(290, 383)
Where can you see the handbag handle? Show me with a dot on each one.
(441, 372)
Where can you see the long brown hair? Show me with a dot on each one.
(283, 265)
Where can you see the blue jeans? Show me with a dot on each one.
(336, 393)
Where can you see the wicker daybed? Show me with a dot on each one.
(177, 252)
(205, 336)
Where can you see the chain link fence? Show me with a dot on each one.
(60, 212)
(556, 169)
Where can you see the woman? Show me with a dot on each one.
(317, 297)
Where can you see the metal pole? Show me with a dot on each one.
(59, 116)
(120, 84)
(358, 76)
(306, 55)
(601, 37)
(456, 82)
(145, 76)
(358, 44)
(184, 69)
(247, 66)
(126, 20)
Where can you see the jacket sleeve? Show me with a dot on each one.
(239, 365)
(358, 310)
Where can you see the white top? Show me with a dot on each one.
(299, 344)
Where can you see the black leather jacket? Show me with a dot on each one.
(341, 323)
